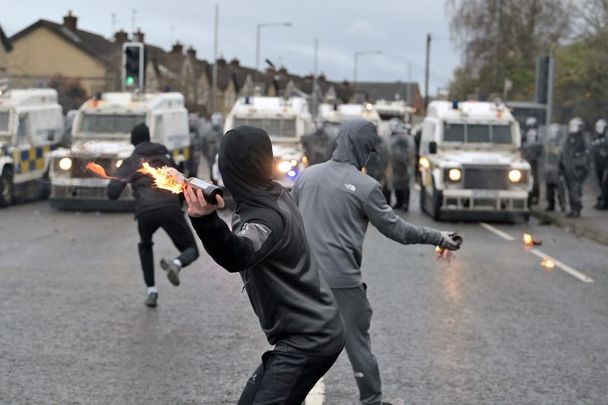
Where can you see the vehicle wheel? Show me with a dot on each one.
(437, 199)
(7, 188)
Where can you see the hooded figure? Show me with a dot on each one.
(154, 208)
(599, 151)
(574, 164)
(267, 246)
(337, 202)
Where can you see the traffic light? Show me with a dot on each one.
(132, 66)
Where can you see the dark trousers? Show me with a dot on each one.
(403, 198)
(551, 194)
(357, 314)
(174, 223)
(285, 378)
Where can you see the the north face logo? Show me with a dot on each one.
(350, 187)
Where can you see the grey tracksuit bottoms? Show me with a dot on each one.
(357, 314)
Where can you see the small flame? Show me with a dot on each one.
(547, 263)
(438, 250)
(164, 177)
(528, 239)
(98, 170)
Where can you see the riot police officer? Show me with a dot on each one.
(402, 152)
(532, 151)
(599, 151)
(552, 153)
(574, 164)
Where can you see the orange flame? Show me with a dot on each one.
(98, 170)
(164, 177)
(547, 263)
(528, 239)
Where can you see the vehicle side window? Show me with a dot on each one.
(23, 129)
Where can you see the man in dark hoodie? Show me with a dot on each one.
(154, 208)
(268, 247)
(337, 201)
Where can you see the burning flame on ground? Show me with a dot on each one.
(528, 240)
(547, 263)
(98, 170)
(164, 177)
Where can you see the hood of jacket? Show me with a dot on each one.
(150, 149)
(356, 140)
(246, 161)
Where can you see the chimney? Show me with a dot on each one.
(191, 52)
(221, 62)
(70, 21)
(177, 48)
(120, 37)
(235, 63)
(282, 71)
(322, 78)
(138, 36)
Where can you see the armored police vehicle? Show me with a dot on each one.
(31, 125)
(101, 134)
(285, 119)
(470, 163)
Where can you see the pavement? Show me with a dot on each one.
(592, 224)
(489, 327)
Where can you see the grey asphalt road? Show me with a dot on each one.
(490, 327)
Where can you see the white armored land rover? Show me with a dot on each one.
(470, 163)
(101, 134)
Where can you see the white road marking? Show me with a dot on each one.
(316, 396)
(574, 273)
(497, 231)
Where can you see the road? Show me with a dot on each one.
(490, 327)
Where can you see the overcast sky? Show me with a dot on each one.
(396, 27)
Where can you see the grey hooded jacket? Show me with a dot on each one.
(337, 201)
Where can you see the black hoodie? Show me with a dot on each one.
(268, 246)
(147, 197)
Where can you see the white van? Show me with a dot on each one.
(470, 163)
(101, 134)
(31, 125)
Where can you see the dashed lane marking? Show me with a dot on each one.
(316, 396)
(560, 265)
(497, 231)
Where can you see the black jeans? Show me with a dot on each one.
(174, 223)
(403, 198)
(285, 378)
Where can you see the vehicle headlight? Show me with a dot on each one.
(515, 175)
(284, 166)
(65, 163)
(454, 175)
(118, 163)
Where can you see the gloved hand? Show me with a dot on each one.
(450, 240)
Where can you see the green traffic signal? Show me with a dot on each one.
(130, 80)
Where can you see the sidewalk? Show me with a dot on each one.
(592, 224)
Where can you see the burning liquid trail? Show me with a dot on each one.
(165, 177)
(99, 170)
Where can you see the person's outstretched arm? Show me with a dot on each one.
(233, 251)
(382, 216)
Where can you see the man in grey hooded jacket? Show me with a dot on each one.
(337, 201)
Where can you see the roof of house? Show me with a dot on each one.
(92, 44)
(4, 41)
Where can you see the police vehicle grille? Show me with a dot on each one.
(489, 178)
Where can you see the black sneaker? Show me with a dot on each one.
(151, 300)
(172, 270)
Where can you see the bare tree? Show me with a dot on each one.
(502, 39)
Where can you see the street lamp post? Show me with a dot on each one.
(357, 54)
(257, 39)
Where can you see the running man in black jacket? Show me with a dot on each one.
(268, 246)
(154, 208)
